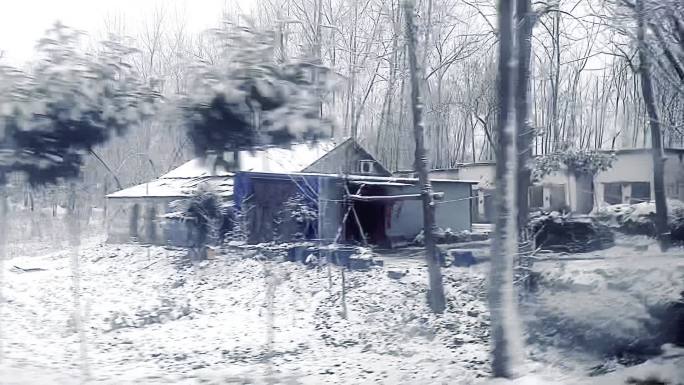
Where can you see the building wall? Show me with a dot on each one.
(483, 173)
(266, 206)
(263, 197)
(674, 175)
(330, 207)
(147, 228)
(452, 212)
(559, 189)
(576, 192)
(345, 159)
(637, 166)
(582, 193)
(628, 167)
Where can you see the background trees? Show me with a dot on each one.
(585, 92)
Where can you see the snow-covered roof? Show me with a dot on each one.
(186, 179)
(270, 159)
(283, 160)
(176, 187)
(195, 168)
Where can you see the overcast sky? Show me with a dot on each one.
(23, 22)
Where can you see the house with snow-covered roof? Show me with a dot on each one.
(142, 212)
(339, 193)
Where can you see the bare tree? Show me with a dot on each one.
(506, 338)
(654, 122)
(525, 19)
(436, 292)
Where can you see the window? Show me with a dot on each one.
(231, 160)
(366, 166)
(641, 192)
(612, 193)
(557, 197)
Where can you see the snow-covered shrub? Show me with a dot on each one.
(206, 216)
(444, 236)
(299, 214)
(639, 218)
(567, 233)
(237, 232)
(576, 161)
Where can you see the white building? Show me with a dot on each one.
(629, 180)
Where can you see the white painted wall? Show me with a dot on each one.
(483, 173)
(451, 212)
(559, 178)
(637, 166)
(674, 175)
(629, 166)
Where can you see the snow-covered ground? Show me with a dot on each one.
(596, 313)
(152, 317)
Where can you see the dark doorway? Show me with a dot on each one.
(133, 223)
(150, 225)
(371, 218)
(536, 197)
(557, 197)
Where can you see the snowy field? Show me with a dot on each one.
(152, 317)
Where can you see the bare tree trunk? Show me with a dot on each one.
(75, 243)
(4, 217)
(436, 291)
(269, 299)
(525, 21)
(654, 122)
(318, 57)
(506, 336)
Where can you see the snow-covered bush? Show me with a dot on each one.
(576, 161)
(297, 220)
(207, 217)
(567, 233)
(166, 310)
(639, 218)
(237, 232)
(444, 236)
